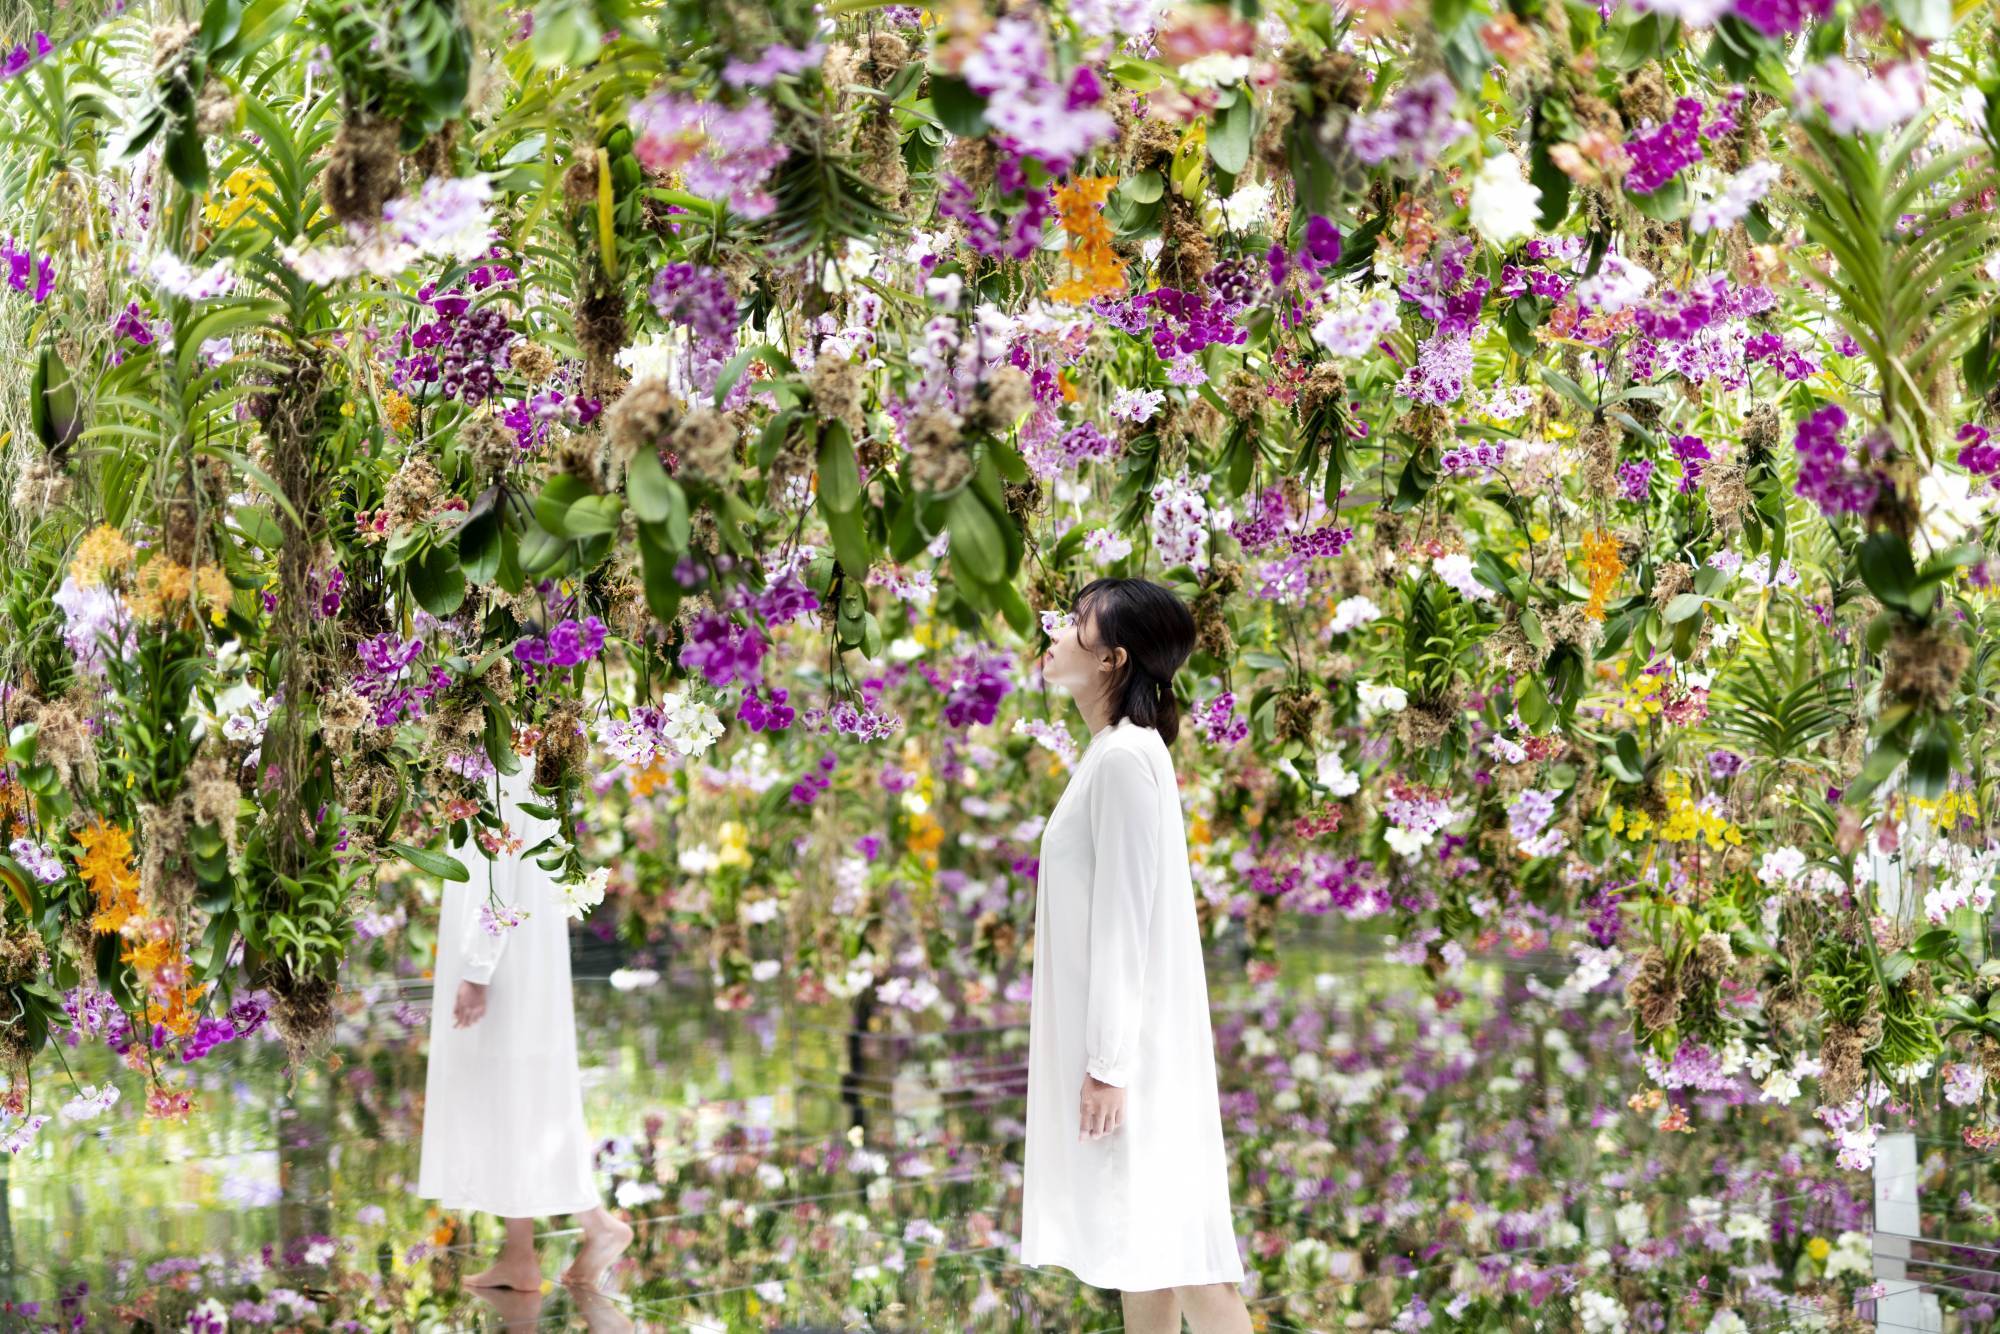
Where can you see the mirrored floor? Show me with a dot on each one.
(1394, 1165)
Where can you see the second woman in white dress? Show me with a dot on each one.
(1125, 1178)
(503, 1099)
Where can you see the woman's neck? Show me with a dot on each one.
(1096, 712)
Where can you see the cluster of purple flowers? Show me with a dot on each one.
(1218, 721)
(1034, 112)
(786, 600)
(1606, 920)
(1792, 364)
(1182, 323)
(1826, 477)
(23, 55)
(1781, 18)
(760, 715)
(385, 660)
(1320, 249)
(1975, 455)
(530, 418)
(1635, 478)
(1084, 442)
(1480, 458)
(133, 325)
(94, 1013)
(1263, 529)
(1444, 364)
(866, 721)
(329, 587)
(1433, 287)
(722, 152)
(1691, 453)
(723, 651)
(973, 690)
(1014, 235)
(569, 643)
(1659, 154)
(697, 296)
(1329, 539)
(1416, 124)
(22, 265)
(461, 350)
(1238, 282)
(37, 860)
(807, 789)
(1678, 314)
(1528, 821)
(1353, 885)
(1724, 764)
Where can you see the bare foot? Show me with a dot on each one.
(602, 1244)
(522, 1275)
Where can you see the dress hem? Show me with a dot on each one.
(536, 1211)
(1148, 1285)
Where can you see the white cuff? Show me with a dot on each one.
(1106, 1073)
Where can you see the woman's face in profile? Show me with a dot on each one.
(1069, 663)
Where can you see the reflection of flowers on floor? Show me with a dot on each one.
(1394, 1166)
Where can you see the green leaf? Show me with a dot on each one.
(552, 506)
(1684, 606)
(437, 581)
(958, 108)
(976, 544)
(648, 488)
(839, 476)
(1229, 134)
(1144, 188)
(451, 868)
(479, 547)
(1887, 569)
(1935, 944)
(850, 543)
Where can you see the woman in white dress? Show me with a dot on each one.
(503, 1101)
(1125, 1180)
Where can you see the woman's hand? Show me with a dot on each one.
(1103, 1108)
(470, 1005)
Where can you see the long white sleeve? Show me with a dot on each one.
(481, 948)
(1125, 834)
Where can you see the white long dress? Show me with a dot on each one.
(503, 1104)
(1120, 992)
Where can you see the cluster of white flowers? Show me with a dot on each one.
(1353, 613)
(1617, 285)
(1455, 570)
(446, 219)
(1335, 777)
(577, 897)
(90, 1102)
(174, 275)
(1351, 321)
(1969, 885)
(1137, 405)
(1376, 699)
(1180, 523)
(1738, 195)
(1857, 101)
(1601, 1312)
(1107, 546)
(1505, 206)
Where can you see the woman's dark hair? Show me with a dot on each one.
(1156, 630)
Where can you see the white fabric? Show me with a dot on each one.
(503, 1103)
(1119, 990)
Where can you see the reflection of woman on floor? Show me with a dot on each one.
(503, 1102)
(523, 1310)
(1125, 1181)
